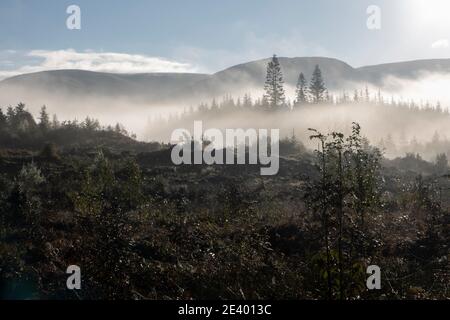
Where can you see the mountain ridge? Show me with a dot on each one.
(188, 88)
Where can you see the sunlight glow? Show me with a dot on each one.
(430, 15)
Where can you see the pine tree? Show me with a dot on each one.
(345, 97)
(367, 94)
(238, 103)
(10, 113)
(20, 108)
(317, 86)
(380, 97)
(264, 103)
(441, 166)
(302, 91)
(214, 105)
(2, 119)
(355, 97)
(247, 102)
(44, 119)
(91, 124)
(55, 122)
(274, 84)
(328, 97)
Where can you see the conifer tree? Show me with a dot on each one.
(274, 84)
(367, 94)
(328, 97)
(214, 105)
(2, 119)
(317, 86)
(264, 103)
(380, 97)
(355, 97)
(441, 164)
(247, 102)
(44, 119)
(55, 122)
(20, 108)
(10, 113)
(302, 90)
(238, 103)
(345, 97)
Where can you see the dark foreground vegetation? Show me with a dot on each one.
(142, 228)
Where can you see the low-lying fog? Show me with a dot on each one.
(398, 129)
(379, 123)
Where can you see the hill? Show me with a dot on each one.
(56, 87)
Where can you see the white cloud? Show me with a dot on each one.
(96, 61)
(440, 44)
(253, 47)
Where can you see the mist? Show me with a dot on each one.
(427, 87)
(395, 129)
(406, 124)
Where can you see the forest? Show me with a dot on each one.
(140, 227)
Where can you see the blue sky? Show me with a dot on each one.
(208, 35)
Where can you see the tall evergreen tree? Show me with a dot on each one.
(238, 103)
(302, 90)
(367, 94)
(20, 108)
(2, 119)
(355, 96)
(55, 122)
(274, 84)
(328, 97)
(345, 97)
(441, 166)
(247, 102)
(44, 119)
(380, 97)
(10, 113)
(264, 103)
(214, 105)
(317, 86)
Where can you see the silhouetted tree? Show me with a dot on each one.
(274, 84)
(10, 113)
(355, 96)
(91, 124)
(367, 94)
(55, 122)
(302, 90)
(441, 165)
(214, 105)
(247, 101)
(44, 119)
(2, 119)
(20, 108)
(317, 86)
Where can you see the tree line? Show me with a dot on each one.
(18, 120)
(307, 93)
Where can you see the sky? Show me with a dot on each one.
(210, 35)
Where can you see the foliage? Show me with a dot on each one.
(347, 191)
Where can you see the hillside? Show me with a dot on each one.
(174, 88)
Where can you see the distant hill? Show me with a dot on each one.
(405, 70)
(144, 87)
(150, 89)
